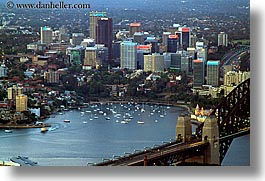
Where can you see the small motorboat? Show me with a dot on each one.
(8, 131)
(67, 121)
(43, 130)
(140, 122)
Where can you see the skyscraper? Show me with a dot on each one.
(186, 64)
(222, 39)
(213, 73)
(198, 73)
(93, 18)
(128, 55)
(46, 35)
(175, 62)
(134, 27)
(185, 42)
(104, 34)
(172, 43)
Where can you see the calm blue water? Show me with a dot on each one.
(92, 135)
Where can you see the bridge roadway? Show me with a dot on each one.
(155, 153)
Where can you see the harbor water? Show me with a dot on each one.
(86, 136)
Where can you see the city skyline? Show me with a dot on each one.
(128, 64)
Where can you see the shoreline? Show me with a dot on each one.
(24, 126)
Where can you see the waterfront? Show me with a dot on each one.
(93, 133)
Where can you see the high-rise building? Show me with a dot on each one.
(154, 44)
(134, 27)
(141, 51)
(46, 35)
(198, 73)
(93, 18)
(91, 57)
(172, 43)
(51, 77)
(154, 63)
(186, 64)
(193, 40)
(185, 40)
(76, 54)
(21, 103)
(175, 64)
(104, 34)
(95, 56)
(213, 73)
(128, 55)
(14, 91)
(165, 38)
(222, 39)
(116, 51)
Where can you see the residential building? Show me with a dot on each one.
(21, 103)
(222, 39)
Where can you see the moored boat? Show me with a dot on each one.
(43, 129)
(67, 121)
(8, 131)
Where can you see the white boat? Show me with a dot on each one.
(107, 118)
(124, 122)
(140, 122)
(67, 121)
(117, 121)
(43, 130)
(8, 131)
(84, 122)
(156, 121)
(162, 116)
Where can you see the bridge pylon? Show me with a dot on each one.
(210, 133)
(184, 128)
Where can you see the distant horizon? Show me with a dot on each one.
(219, 6)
